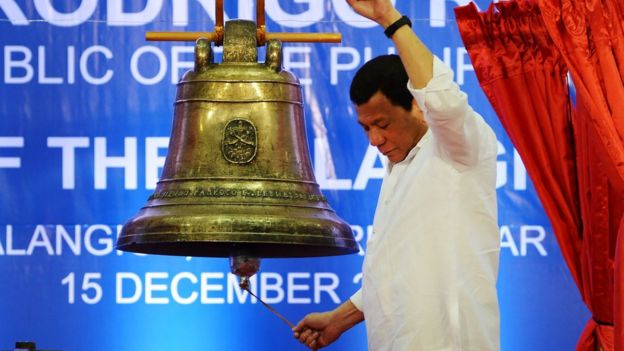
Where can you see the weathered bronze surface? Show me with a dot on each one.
(238, 178)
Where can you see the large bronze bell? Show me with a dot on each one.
(237, 179)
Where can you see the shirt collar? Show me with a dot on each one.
(422, 142)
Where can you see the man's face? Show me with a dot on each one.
(390, 128)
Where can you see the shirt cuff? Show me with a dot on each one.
(442, 79)
(356, 299)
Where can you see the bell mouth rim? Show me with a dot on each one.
(224, 249)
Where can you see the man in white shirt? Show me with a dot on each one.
(429, 275)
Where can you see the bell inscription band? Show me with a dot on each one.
(238, 181)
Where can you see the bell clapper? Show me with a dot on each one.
(244, 283)
(245, 266)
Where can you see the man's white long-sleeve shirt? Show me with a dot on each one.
(429, 275)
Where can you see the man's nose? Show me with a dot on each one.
(375, 137)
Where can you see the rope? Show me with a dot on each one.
(271, 309)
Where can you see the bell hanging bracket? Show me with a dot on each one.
(262, 36)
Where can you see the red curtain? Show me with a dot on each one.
(522, 51)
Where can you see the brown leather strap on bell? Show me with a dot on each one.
(260, 22)
(218, 30)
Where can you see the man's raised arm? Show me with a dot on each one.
(416, 57)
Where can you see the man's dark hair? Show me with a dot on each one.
(385, 74)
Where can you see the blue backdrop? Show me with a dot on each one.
(86, 106)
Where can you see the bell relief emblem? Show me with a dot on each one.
(240, 141)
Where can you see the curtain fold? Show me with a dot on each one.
(588, 33)
(600, 205)
(525, 81)
(522, 52)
